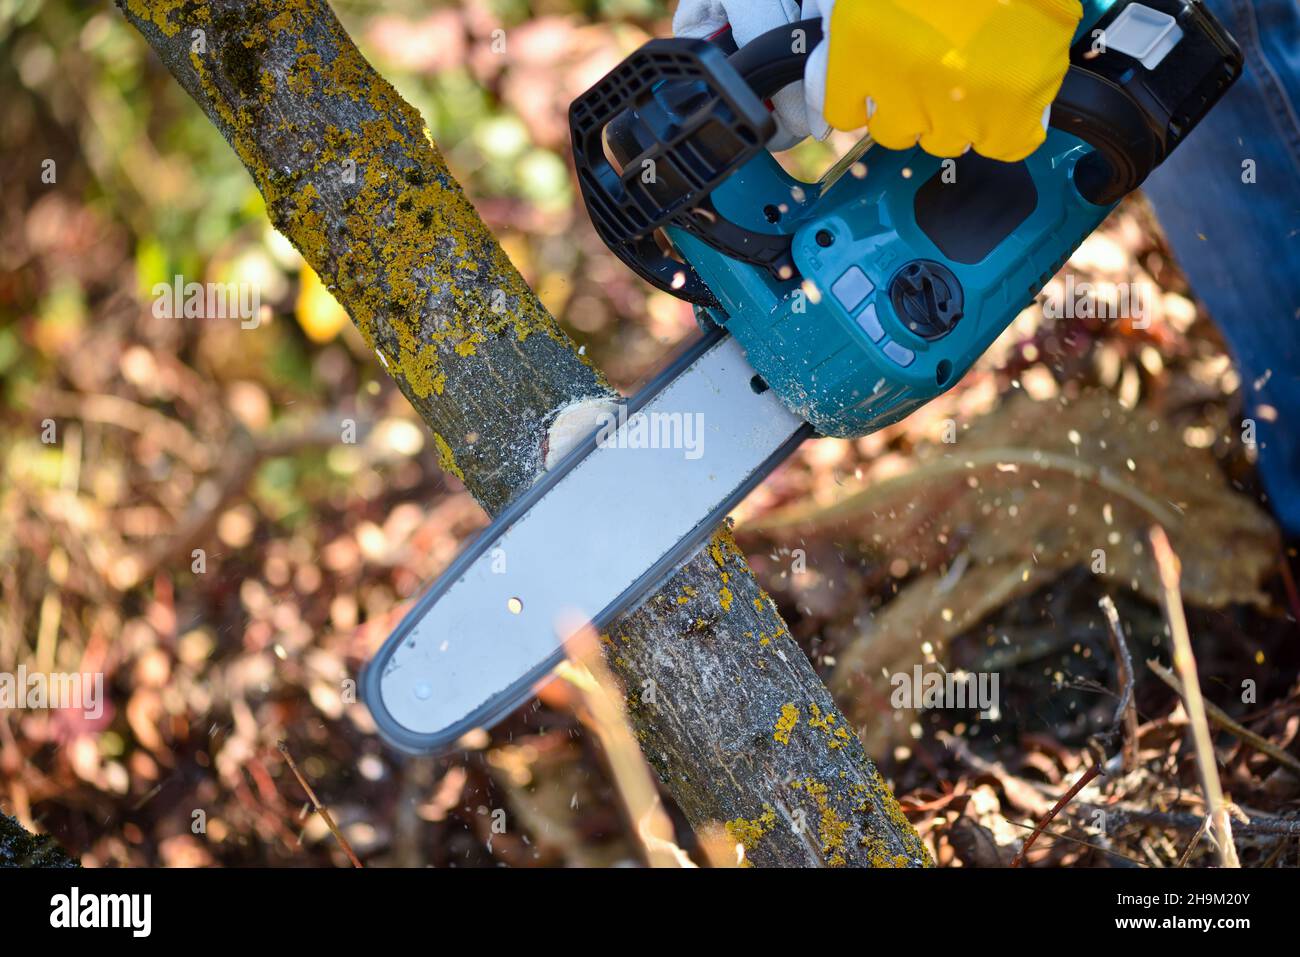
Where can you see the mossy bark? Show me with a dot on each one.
(20, 848)
(726, 705)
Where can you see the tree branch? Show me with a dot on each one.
(724, 702)
(20, 848)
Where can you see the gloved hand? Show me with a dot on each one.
(949, 74)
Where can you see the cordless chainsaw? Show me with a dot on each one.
(828, 309)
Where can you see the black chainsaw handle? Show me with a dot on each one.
(768, 63)
(1131, 121)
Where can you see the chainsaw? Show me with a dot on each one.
(827, 309)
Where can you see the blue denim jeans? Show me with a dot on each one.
(1239, 242)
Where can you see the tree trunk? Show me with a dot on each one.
(20, 848)
(739, 726)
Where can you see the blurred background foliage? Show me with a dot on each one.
(200, 534)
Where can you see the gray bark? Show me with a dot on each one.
(20, 848)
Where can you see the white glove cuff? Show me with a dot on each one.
(814, 74)
(750, 19)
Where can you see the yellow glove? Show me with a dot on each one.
(950, 74)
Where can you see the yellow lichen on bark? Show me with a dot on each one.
(446, 459)
(786, 723)
(159, 13)
(836, 736)
(747, 833)
(831, 828)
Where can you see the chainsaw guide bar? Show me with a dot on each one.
(474, 646)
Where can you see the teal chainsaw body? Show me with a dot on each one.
(863, 296)
(836, 346)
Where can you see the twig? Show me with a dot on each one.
(1185, 662)
(320, 808)
(1126, 710)
(1084, 780)
(1196, 839)
(1062, 836)
(1180, 821)
(1221, 718)
(603, 714)
(1278, 850)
